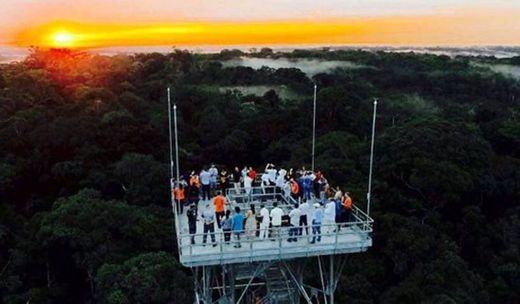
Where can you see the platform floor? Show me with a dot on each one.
(354, 238)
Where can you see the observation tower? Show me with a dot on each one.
(271, 270)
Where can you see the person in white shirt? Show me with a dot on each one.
(264, 224)
(205, 179)
(265, 182)
(329, 216)
(294, 216)
(213, 171)
(304, 220)
(276, 220)
(270, 171)
(280, 180)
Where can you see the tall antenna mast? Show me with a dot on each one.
(170, 132)
(314, 127)
(371, 157)
(176, 143)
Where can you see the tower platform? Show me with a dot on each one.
(351, 237)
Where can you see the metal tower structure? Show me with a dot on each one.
(270, 270)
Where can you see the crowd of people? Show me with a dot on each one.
(314, 204)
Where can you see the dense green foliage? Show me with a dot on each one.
(84, 199)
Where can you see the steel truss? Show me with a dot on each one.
(280, 281)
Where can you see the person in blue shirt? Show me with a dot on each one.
(316, 223)
(227, 226)
(238, 226)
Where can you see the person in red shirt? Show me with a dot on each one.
(219, 202)
(252, 175)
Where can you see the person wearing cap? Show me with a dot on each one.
(192, 214)
(209, 225)
(316, 223)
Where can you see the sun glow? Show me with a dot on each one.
(460, 28)
(62, 39)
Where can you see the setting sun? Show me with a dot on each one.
(62, 39)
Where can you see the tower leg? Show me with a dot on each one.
(332, 280)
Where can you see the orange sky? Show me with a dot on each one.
(444, 25)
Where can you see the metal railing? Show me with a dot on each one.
(334, 236)
(331, 236)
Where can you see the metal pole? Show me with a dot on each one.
(371, 157)
(170, 132)
(314, 127)
(331, 282)
(176, 144)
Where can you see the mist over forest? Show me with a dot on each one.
(85, 214)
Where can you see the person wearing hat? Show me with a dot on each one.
(192, 214)
(316, 223)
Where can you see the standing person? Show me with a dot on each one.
(248, 185)
(316, 223)
(238, 226)
(209, 225)
(205, 178)
(192, 215)
(316, 183)
(276, 220)
(194, 179)
(280, 180)
(252, 174)
(227, 226)
(295, 189)
(193, 194)
(213, 171)
(243, 174)
(264, 183)
(347, 207)
(307, 184)
(236, 179)
(264, 224)
(224, 181)
(329, 216)
(251, 222)
(338, 194)
(339, 213)
(294, 221)
(271, 176)
(219, 202)
(179, 198)
(304, 208)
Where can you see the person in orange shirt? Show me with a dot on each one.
(295, 189)
(180, 197)
(219, 202)
(194, 179)
(347, 207)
